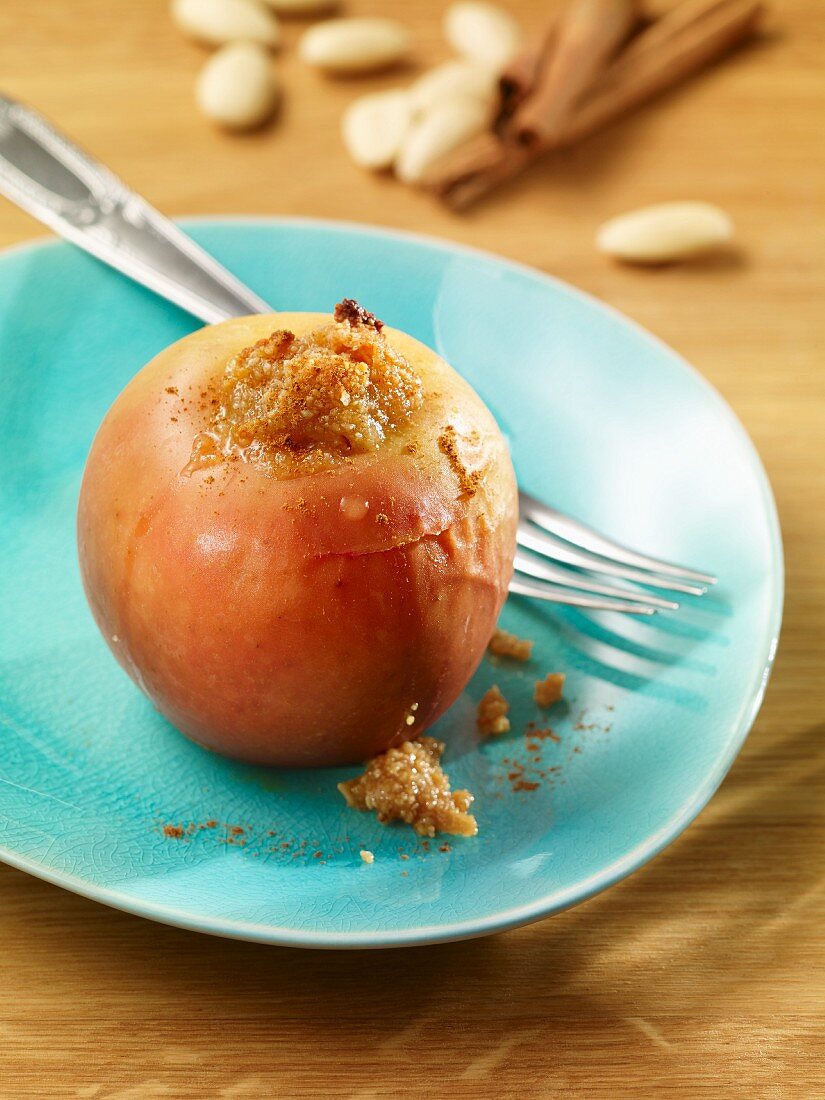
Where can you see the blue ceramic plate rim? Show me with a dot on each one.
(555, 901)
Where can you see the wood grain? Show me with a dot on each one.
(704, 974)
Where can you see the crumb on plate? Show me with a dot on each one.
(408, 784)
(492, 712)
(549, 690)
(505, 644)
(367, 856)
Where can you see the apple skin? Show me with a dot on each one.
(278, 620)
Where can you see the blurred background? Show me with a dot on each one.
(120, 78)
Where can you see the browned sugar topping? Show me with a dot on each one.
(408, 784)
(298, 404)
(350, 311)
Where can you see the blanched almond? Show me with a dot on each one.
(483, 32)
(666, 232)
(301, 7)
(216, 22)
(453, 78)
(236, 87)
(374, 126)
(354, 45)
(438, 132)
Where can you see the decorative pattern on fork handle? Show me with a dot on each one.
(50, 177)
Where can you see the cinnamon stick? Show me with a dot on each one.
(686, 40)
(675, 19)
(587, 35)
(478, 167)
(521, 75)
(656, 64)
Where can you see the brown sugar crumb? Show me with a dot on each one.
(354, 314)
(407, 784)
(448, 445)
(411, 448)
(525, 785)
(549, 690)
(382, 517)
(444, 848)
(491, 717)
(298, 404)
(175, 831)
(236, 830)
(367, 856)
(173, 390)
(504, 644)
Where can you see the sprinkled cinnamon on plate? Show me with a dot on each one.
(505, 644)
(545, 734)
(492, 717)
(549, 690)
(175, 831)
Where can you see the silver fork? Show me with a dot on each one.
(558, 558)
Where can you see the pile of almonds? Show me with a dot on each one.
(411, 129)
(237, 88)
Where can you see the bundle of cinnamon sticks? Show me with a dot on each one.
(596, 61)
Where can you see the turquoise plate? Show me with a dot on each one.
(604, 422)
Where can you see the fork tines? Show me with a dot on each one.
(558, 547)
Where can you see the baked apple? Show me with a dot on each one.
(296, 533)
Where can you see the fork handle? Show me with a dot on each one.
(50, 177)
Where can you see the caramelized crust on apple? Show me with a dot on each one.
(303, 403)
(407, 784)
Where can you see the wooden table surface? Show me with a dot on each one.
(703, 973)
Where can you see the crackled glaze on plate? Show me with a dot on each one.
(603, 421)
